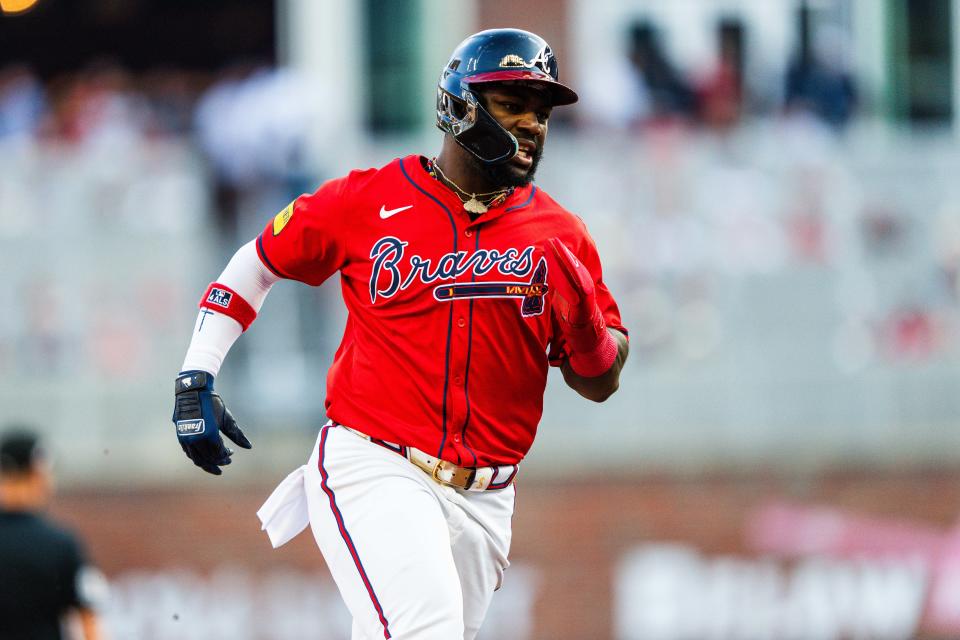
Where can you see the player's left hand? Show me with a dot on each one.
(199, 416)
(572, 284)
(592, 349)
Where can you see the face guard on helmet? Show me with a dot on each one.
(497, 55)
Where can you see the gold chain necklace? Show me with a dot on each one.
(471, 203)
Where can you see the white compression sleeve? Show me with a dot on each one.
(214, 333)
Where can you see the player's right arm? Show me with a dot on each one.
(303, 242)
(227, 308)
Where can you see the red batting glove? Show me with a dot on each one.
(592, 348)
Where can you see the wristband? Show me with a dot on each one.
(193, 381)
(223, 299)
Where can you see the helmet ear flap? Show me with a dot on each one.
(485, 138)
(474, 128)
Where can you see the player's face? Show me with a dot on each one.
(523, 111)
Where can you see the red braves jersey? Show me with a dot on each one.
(449, 319)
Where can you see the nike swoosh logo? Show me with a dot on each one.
(386, 213)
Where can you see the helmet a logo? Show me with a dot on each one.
(542, 60)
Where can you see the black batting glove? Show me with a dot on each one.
(199, 416)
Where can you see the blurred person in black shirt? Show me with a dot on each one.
(44, 577)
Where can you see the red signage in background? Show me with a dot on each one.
(796, 531)
(818, 573)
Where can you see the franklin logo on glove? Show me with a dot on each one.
(189, 427)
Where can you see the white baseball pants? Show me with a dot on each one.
(414, 560)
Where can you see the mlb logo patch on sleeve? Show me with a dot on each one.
(219, 297)
(281, 219)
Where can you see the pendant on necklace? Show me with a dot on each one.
(474, 206)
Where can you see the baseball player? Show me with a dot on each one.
(464, 282)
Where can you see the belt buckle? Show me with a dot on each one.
(441, 466)
(444, 465)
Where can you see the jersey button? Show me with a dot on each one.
(458, 381)
(461, 323)
(468, 233)
(456, 438)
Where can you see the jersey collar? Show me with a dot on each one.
(413, 168)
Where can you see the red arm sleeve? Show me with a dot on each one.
(304, 241)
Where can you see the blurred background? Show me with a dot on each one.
(773, 186)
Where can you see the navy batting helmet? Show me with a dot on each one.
(496, 55)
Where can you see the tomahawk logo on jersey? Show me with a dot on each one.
(455, 287)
